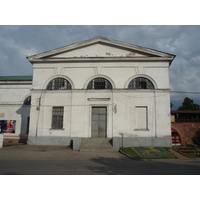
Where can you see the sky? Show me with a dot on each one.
(19, 41)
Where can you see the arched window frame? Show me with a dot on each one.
(99, 83)
(141, 83)
(59, 83)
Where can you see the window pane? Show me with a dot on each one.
(59, 84)
(140, 83)
(57, 117)
(99, 83)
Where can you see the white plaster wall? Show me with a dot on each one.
(11, 106)
(163, 123)
(125, 118)
(14, 95)
(79, 73)
(77, 113)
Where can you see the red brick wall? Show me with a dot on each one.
(186, 131)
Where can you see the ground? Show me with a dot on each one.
(61, 160)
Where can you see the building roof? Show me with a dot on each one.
(53, 55)
(16, 78)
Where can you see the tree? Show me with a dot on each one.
(171, 105)
(188, 104)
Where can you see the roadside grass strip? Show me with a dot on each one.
(147, 152)
(190, 152)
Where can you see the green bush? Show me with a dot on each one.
(196, 138)
(190, 145)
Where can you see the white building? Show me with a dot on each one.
(98, 88)
(15, 92)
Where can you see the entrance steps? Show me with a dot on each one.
(96, 145)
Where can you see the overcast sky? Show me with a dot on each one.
(18, 42)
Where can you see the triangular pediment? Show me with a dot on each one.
(100, 47)
(99, 50)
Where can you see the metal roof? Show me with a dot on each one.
(16, 78)
(185, 111)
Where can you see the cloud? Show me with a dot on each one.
(18, 42)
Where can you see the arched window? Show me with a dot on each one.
(99, 83)
(27, 101)
(59, 84)
(140, 83)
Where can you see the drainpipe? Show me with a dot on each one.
(155, 113)
(38, 108)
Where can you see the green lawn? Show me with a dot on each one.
(147, 152)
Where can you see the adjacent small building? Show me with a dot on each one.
(184, 126)
(15, 99)
(98, 88)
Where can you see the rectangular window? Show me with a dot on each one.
(141, 118)
(57, 117)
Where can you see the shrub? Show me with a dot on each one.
(196, 138)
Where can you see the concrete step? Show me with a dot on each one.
(96, 145)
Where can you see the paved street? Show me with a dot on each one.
(61, 160)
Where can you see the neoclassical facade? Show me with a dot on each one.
(100, 88)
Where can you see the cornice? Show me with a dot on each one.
(100, 59)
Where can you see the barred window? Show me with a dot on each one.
(57, 117)
(27, 101)
(59, 84)
(140, 83)
(99, 83)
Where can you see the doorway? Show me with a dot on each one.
(176, 139)
(99, 122)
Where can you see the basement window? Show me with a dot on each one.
(99, 83)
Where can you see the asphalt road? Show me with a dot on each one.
(55, 160)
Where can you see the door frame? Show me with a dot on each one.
(90, 118)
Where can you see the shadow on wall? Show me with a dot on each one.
(24, 111)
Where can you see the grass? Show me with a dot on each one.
(147, 152)
(130, 152)
(189, 152)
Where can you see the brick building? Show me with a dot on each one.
(184, 125)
